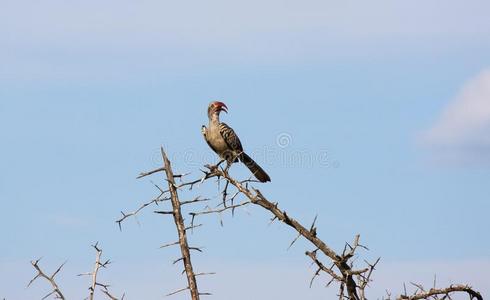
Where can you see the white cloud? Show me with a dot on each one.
(462, 131)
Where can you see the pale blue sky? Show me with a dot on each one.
(89, 91)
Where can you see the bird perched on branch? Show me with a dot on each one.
(224, 141)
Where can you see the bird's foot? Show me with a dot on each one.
(228, 166)
(214, 167)
(220, 162)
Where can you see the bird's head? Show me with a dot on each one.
(217, 107)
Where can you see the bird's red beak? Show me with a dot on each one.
(222, 107)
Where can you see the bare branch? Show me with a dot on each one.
(144, 174)
(205, 274)
(112, 297)
(94, 283)
(321, 267)
(143, 206)
(352, 281)
(192, 227)
(364, 280)
(434, 293)
(217, 211)
(51, 279)
(195, 200)
(181, 228)
(177, 292)
(256, 197)
(95, 271)
(169, 245)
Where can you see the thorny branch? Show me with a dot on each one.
(171, 194)
(352, 282)
(436, 294)
(340, 261)
(345, 274)
(340, 269)
(181, 228)
(165, 194)
(51, 279)
(156, 201)
(94, 283)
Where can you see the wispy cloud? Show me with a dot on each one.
(462, 132)
(66, 220)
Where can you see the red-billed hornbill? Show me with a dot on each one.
(224, 141)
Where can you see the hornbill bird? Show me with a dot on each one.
(224, 141)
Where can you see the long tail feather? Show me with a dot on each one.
(258, 172)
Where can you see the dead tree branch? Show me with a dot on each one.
(144, 174)
(340, 261)
(51, 279)
(445, 293)
(181, 228)
(171, 195)
(352, 281)
(345, 275)
(155, 201)
(93, 275)
(95, 271)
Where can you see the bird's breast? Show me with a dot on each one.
(213, 136)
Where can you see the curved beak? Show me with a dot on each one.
(222, 107)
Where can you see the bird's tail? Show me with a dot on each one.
(258, 172)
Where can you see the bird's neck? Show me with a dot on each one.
(214, 119)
